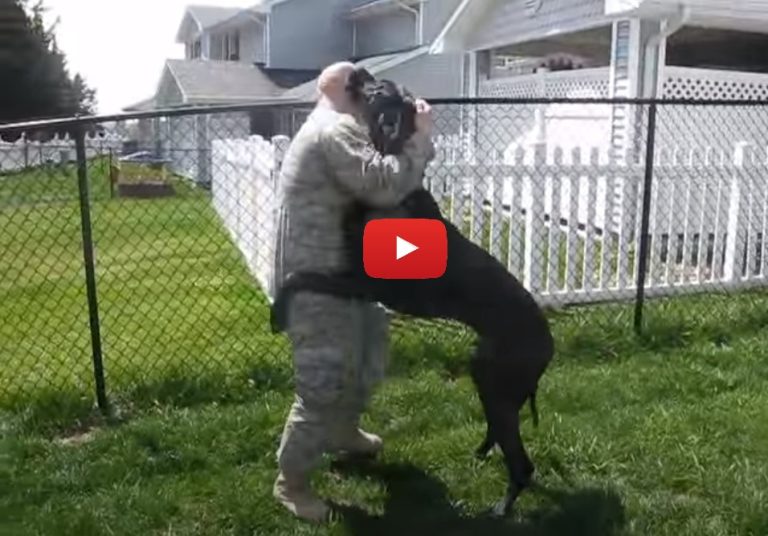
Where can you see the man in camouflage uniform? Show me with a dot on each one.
(340, 347)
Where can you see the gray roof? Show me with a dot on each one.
(209, 16)
(306, 92)
(221, 80)
(206, 81)
(141, 106)
(303, 92)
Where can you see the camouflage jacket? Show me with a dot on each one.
(328, 165)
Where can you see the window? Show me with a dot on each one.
(196, 49)
(234, 53)
(231, 46)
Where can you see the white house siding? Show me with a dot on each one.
(182, 150)
(510, 23)
(229, 126)
(385, 33)
(429, 76)
(168, 93)
(433, 76)
(436, 15)
(252, 44)
(192, 138)
(308, 34)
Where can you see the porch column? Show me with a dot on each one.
(478, 65)
(205, 46)
(632, 69)
(631, 73)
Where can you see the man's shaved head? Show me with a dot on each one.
(332, 82)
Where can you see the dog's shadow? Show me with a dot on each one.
(417, 504)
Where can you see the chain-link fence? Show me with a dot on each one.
(136, 251)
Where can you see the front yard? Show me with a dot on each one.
(663, 434)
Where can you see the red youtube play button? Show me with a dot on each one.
(400, 248)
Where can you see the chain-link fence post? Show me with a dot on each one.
(645, 219)
(90, 272)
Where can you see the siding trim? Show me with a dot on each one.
(354, 38)
(169, 69)
(267, 41)
(605, 20)
(399, 59)
(420, 36)
(453, 35)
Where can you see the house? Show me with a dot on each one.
(272, 52)
(684, 49)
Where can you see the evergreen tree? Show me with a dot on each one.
(36, 82)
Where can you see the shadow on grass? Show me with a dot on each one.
(62, 413)
(189, 388)
(418, 504)
(51, 412)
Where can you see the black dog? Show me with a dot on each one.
(515, 344)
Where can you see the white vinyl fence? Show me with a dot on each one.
(244, 189)
(25, 154)
(708, 223)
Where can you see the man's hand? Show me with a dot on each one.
(424, 121)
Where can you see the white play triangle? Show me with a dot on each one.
(404, 248)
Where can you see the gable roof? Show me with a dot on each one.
(198, 18)
(378, 7)
(221, 82)
(141, 106)
(208, 16)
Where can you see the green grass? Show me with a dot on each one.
(175, 300)
(663, 434)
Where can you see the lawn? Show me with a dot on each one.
(653, 435)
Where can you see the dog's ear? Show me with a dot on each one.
(407, 95)
(356, 81)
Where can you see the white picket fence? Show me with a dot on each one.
(24, 154)
(708, 223)
(244, 189)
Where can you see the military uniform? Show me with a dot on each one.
(340, 347)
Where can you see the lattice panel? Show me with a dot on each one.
(683, 83)
(510, 88)
(561, 84)
(580, 87)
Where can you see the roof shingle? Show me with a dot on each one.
(209, 16)
(206, 81)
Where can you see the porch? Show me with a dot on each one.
(695, 63)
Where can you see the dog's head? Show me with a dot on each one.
(388, 109)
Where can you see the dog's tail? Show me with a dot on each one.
(534, 411)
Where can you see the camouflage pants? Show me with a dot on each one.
(340, 352)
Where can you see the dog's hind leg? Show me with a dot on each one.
(481, 453)
(519, 465)
(482, 378)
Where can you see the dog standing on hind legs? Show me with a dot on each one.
(515, 344)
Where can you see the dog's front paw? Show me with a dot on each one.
(481, 454)
(505, 506)
(502, 508)
(485, 448)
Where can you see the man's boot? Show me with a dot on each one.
(295, 493)
(352, 441)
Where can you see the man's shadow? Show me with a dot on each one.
(417, 504)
